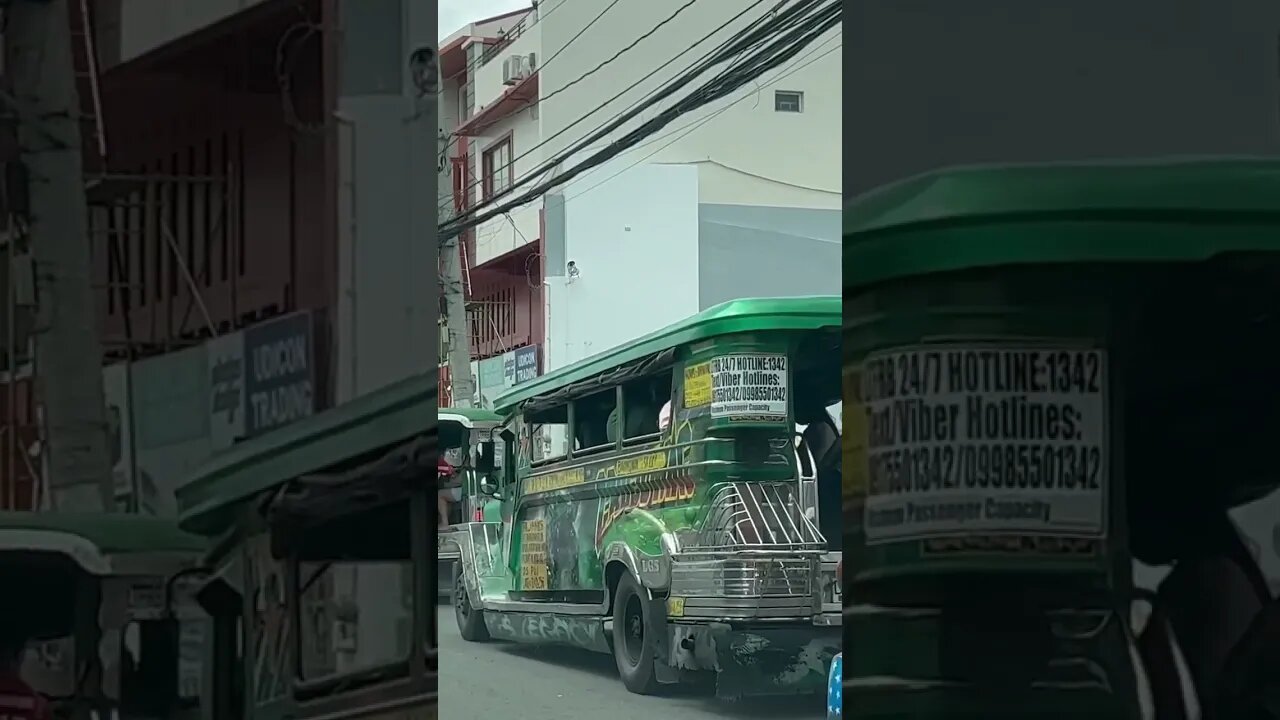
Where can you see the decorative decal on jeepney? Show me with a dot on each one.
(271, 620)
(558, 480)
(632, 466)
(663, 491)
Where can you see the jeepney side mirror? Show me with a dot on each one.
(149, 673)
(488, 466)
(486, 459)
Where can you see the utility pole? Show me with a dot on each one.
(427, 71)
(463, 387)
(46, 102)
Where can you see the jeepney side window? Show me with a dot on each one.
(549, 434)
(592, 418)
(344, 627)
(642, 402)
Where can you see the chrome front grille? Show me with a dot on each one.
(743, 577)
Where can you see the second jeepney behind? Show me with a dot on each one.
(321, 565)
(675, 502)
(461, 431)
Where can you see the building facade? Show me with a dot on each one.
(256, 169)
(737, 199)
(263, 245)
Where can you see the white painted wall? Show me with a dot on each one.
(147, 24)
(754, 154)
(388, 310)
(638, 262)
(449, 112)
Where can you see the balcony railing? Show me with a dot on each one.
(504, 41)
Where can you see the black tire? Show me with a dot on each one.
(470, 619)
(633, 644)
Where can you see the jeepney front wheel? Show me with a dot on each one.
(633, 643)
(470, 619)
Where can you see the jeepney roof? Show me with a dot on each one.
(92, 538)
(381, 419)
(971, 217)
(468, 417)
(735, 316)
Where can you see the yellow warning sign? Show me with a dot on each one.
(642, 464)
(555, 481)
(854, 438)
(697, 385)
(533, 555)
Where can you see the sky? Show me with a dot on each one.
(456, 13)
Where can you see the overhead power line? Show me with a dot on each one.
(685, 131)
(556, 54)
(545, 167)
(739, 43)
(762, 49)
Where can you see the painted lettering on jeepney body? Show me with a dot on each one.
(661, 491)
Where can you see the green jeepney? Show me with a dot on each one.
(102, 597)
(323, 564)
(675, 502)
(1063, 404)
(461, 432)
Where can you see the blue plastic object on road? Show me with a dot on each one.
(835, 688)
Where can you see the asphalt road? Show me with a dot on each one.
(502, 680)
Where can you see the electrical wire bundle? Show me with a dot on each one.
(763, 46)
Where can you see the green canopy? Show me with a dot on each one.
(110, 533)
(972, 217)
(735, 316)
(379, 420)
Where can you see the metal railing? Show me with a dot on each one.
(755, 516)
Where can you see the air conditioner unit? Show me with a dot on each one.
(517, 68)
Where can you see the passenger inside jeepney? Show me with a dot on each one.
(591, 415)
(822, 439)
(643, 400)
(18, 700)
(1198, 465)
(448, 493)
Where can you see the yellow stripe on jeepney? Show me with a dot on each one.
(640, 464)
(556, 480)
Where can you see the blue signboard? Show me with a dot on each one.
(280, 377)
(526, 364)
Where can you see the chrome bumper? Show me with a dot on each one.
(754, 586)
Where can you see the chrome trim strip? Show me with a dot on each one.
(557, 608)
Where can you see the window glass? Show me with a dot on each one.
(354, 616)
(548, 435)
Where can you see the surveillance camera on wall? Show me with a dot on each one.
(423, 65)
(572, 269)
